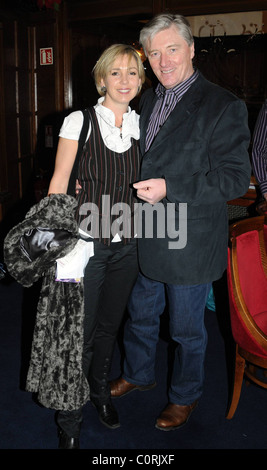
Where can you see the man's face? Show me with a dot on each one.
(170, 57)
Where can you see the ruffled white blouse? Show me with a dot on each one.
(117, 140)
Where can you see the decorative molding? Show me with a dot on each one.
(232, 24)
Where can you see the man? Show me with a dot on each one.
(194, 140)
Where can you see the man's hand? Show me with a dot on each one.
(152, 190)
(262, 206)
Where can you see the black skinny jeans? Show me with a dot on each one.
(108, 280)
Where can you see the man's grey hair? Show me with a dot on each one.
(165, 21)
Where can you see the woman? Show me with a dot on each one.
(107, 167)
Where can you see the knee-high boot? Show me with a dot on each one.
(99, 385)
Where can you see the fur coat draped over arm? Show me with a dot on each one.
(55, 370)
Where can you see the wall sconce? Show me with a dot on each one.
(139, 50)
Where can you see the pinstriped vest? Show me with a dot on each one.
(106, 200)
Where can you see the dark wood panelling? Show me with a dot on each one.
(81, 11)
(46, 90)
(30, 94)
(3, 162)
(208, 7)
(10, 80)
(237, 63)
(78, 11)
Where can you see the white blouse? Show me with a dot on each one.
(117, 140)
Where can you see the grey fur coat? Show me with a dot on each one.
(55, 370)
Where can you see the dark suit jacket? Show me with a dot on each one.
(202, 152)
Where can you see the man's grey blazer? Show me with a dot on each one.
(202, 152)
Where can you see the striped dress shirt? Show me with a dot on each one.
(259, 149)
(166, 102)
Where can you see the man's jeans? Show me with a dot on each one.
(186, 307)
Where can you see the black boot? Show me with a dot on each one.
(100, 394)
(66, 442)
(107, 415)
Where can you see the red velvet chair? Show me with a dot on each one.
(247, 287)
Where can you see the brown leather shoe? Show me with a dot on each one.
(174, 416)
(121, 387)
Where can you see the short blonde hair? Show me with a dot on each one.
(107, 58)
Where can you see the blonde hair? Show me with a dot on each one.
(107, 59)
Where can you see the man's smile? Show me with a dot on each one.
(167, 71)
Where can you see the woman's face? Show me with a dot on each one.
(122, 81)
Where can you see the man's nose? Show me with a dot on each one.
(164, 59)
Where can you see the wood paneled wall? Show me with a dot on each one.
(32, 95)
(17, 108)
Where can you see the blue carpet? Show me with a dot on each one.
(26, 425)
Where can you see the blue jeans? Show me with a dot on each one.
(186, 307)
